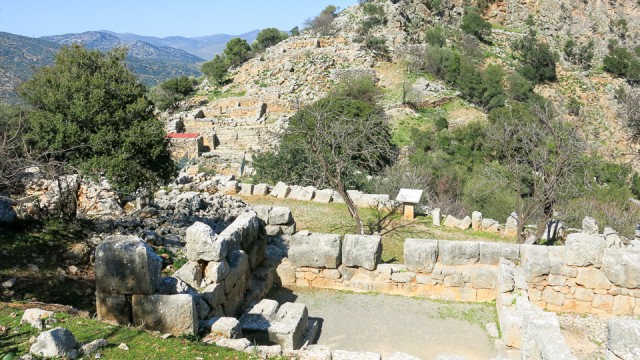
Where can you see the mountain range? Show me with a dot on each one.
(152, 59)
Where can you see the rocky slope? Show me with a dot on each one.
(301, 69)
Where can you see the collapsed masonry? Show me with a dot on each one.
(225, 274)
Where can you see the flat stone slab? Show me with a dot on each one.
(420, 255)
(623, 337)
(361, 251)
(172, 314)
(127, 265)
(458, 252)
(267, 323)
(315, 250)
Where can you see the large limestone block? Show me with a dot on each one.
(216, 272)
(172, 314)
(436, 216)
(401, 356)
(203, 244)
(420, 255)
(622, 267)
(324, 196)
(281, 190)
(465, 223)
(534, 259)
(268, 323)
(242, 232)
(372, 200)
(458, 252)
(506, 282)
(260, 190)
(280, 215)
(511, 227)
(56, 343)
(302, 193)
(262, 211)
(483, 278)
(592, 278)
(190, 273)
(451, 221)
(490, 225)
(542, 338)
(315, 250)
(36, 317)
(113, 308)
(361, 251)
(354, 355)
(227, 327)
(583, 250)
(245, 189)
(127, 265)
(590, 226)
(491, 252)
(476, 220)
(623, 339)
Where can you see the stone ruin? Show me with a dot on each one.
(226, 273)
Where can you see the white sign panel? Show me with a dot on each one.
(409, 196)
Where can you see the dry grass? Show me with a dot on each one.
(334, 218)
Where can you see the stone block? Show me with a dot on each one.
(505, 276)
(602, 302)
(582, 294)
(420, 255)
(542, 338)
(354, 355)
(245, 189)
(583, 250)
(592, 278)
(451, 221)
(273, 230)
(552, 297)
(623, 339)
(623, 305)
(172, 314)
(216, 271)
(214, 294)
(262, 212)
(315, 250)
(511, 227)
(281, 190)
(227, 327)
(372, 200)
(482, 278)
(361, 251)
(590, 226)
(436, 216)
(234, 344)
(126, 265)
(36, 317)
(260, 190)
(190, 273)
(476, 220)
(458, 252)
(280, 216)
(535, 261)
(303, 193)
(622, 267)
(403, 276)
(314, 352)
(323, 196)
(202, 243)
(490, 225)
(266, 323)
(55, 343)
(113, 308)
(465, 223)
(454, 280)
(491, 252)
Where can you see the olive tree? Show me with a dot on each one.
(89, 116)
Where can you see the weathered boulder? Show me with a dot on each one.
(451, 221)
(623, 337)
(7, 214)
(590, 226)
(202, 243)
(315, 250)
(35, 317)
(173, 314)
(465, 223)
(361, 251)
(127, 265)
(583, 250)
(622, 267)
(420, 255)
(56, 343)
(280, 215)
(458, 252)
(190, 273)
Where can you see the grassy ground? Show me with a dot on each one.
(334, 218)
(43, 245)
(142, 345)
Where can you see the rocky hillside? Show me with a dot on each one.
(303, 68)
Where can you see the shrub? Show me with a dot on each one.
(474, 24)
(237, 51)
(487, 190)
(435, 36)
(373, 10)
(537, 59)
(519, 88)
(322, 24)
(216, 69)
(269, 37)
(622, 63)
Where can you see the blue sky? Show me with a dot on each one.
(156, 18)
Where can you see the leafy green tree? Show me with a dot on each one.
(269, 37)
(519, 88)
(435, 36)
(89, 116)
(621, 62)
(167, 94)
(295, 31)
(216, 69)
(237, 51)
(493, 95)
(537, 59)
(474, 24)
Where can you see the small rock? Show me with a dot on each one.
(492, 329)
(93, 346)
(33, 267)
(9, 283)
(58, 342)
(72, 270)
(35, 317)
(166, 336)
(123, 346)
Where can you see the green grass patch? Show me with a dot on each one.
(216, 94)
(142, 345)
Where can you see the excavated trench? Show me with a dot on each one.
(386, 323)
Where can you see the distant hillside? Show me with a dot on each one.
(205, 46)
(20, 55)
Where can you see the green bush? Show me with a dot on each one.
(269, 37)
(487, 190)
(622, 63)
(237, 51)
(537, 59)
(373, 10)
(216, 69)
(474, 24)
(519, 88)
(436, 36)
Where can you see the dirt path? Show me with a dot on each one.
(386, 324)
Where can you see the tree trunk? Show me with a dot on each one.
(353, 209)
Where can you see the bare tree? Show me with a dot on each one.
(544, 156)
(342, 136)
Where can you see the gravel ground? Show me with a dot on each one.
(386, 323)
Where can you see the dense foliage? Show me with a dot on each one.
(237, 51)
(216, 69)
(623, 63)
(268, 37)
(538, 60)
(167, 94)
(89, 111)
(474, 24)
